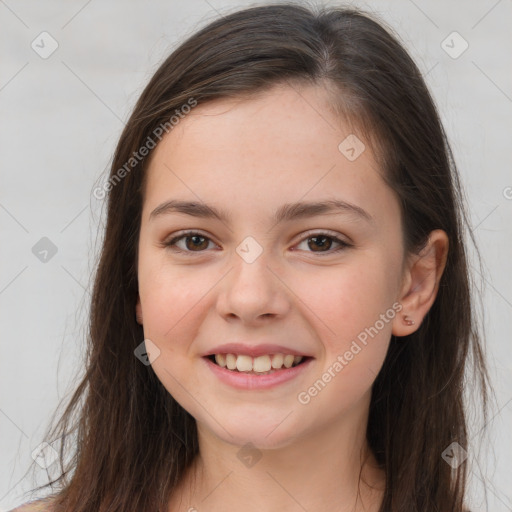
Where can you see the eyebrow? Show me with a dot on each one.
(286, 212)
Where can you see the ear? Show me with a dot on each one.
(420, 283)
(138, 311)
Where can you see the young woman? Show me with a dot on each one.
(281, 317)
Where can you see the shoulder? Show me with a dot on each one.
(35, 506)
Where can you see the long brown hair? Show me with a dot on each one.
(125, 442)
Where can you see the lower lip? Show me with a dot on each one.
(246, 381)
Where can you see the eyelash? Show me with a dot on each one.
(343, 244)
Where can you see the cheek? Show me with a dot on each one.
(352, 302)
(353, 307)
(168, 291)
(173, 300)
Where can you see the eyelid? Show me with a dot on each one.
(328, 232)
(336, 237)
(168, 243)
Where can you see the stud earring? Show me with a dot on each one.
(408, 320)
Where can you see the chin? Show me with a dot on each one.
(265, 434)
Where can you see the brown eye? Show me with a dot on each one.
(197, 242)
(188, 243)
(323, 243)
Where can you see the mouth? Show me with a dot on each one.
(261, 365)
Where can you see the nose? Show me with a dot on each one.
(253, 292)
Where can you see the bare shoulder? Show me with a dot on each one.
(35, 506)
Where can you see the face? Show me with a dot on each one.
(317, 282)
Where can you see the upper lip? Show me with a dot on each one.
(253, 350)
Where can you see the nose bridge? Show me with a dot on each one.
(251, 273)
(252, 288)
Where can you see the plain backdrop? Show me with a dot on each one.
(62, 115)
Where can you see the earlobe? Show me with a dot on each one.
(138, 312)
(421, 283)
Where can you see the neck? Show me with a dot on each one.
(331, 470)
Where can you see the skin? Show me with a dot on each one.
(250, 157)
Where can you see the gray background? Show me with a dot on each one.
(61, 118)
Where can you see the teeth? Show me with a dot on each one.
(220, 359)
(260, 364)
(277, 360)
(231, 361)
(288, 360)
(244, 363)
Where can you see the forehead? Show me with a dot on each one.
(283, 143)
(284, 116)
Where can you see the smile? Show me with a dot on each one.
(262, 372)
(262, 364)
